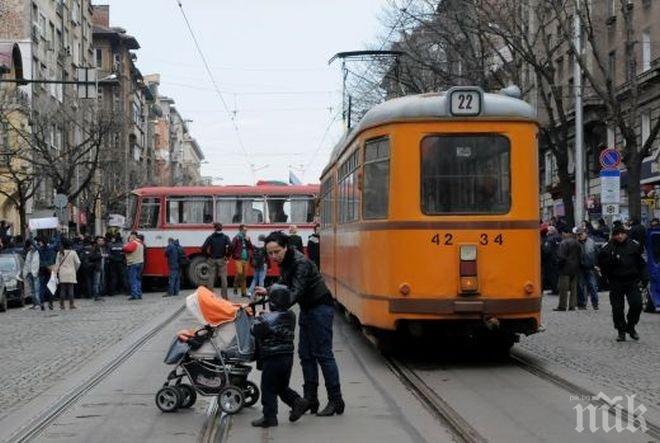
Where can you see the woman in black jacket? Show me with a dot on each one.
(307, 289)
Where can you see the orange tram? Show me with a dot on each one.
(429, 217)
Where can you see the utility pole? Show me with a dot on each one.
(579, 129)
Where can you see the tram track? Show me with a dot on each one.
(216, 425)
(653, 429)
(435, 403)
(38, 424)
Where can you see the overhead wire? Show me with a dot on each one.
(230, 114)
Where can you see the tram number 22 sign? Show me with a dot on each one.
(465, 102)
(447, 239)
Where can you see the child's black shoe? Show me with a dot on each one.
(265, 422)
(300, 406)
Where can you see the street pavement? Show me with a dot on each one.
(581, 346)
(41, 348)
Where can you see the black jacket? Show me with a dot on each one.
(216, 245)
(304, 281)
(274, 332)
(296, 242)
(622, 262)
(98, 258)
(116, 251)
(259, 258)
(568, 257)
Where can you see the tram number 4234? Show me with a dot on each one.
(447, 239)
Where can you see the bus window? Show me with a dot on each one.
(149, 211)
(194, 210)
(466, 174)
(233, 210)
(298, 209)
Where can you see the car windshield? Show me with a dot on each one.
(7, 265)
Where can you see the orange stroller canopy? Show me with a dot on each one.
(209, 309)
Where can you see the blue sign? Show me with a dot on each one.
(610, 159)
(610, 173)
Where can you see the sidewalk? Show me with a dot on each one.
(378, 407)
(581, 345)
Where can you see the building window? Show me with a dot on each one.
(99, 58)
(549, 168)
(646, 126)
(646, 50)
(466, 174)
(348, 188)
(375, 198)
(611, 68)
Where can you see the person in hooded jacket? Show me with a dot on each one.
(274, 334)
(317, 310)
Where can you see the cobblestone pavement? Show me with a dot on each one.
(584, 341)
(40, 348)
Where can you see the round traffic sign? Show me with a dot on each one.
(610, 158)
(60, 201)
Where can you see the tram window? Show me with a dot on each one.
(466, 174)
(132, 207)
(376, 179)
(189, 210)
(326, 201)
(149, 211)
(233, 210)
(349, 197)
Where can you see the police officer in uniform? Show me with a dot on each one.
(116, 266)
(622, 263)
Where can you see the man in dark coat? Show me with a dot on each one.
(173, 254)
(622, 263)
(116, 265)
(217, 248)
(314, 247)
(568, 257)
(549, 248)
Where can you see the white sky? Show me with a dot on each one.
(269, 58)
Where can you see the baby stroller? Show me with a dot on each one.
(213, 358)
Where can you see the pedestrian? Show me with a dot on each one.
(274, 334)
(98, 260)
(637, 232)
(5, 235)
(66, 267)
(216, 248)
(47, 257)
(622, 263)
(549, 268)
(173, 256)
(602, 233)
(241, 250)
(314, 247)
(134, 259)
(296, 240)
(260, 264)
(116, 265)
(308, 289)
(30, 273)
(568, 256)
(588, 285)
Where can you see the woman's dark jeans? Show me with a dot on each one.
(315, 349)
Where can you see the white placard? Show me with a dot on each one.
(116, 220)
(43, 223)
(465, 102)
(610, 189)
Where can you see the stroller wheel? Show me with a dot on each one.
(251, 393)
(167, 399)
(187, 395)
(231, 399)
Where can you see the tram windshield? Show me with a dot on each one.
(466, 174)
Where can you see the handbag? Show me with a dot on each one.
(52, 283)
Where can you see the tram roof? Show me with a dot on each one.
(182, 191)
(432, 106)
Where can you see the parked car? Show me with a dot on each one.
(11, 265)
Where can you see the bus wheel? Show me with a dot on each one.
(199, 272)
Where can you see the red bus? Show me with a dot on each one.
(188, 214)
